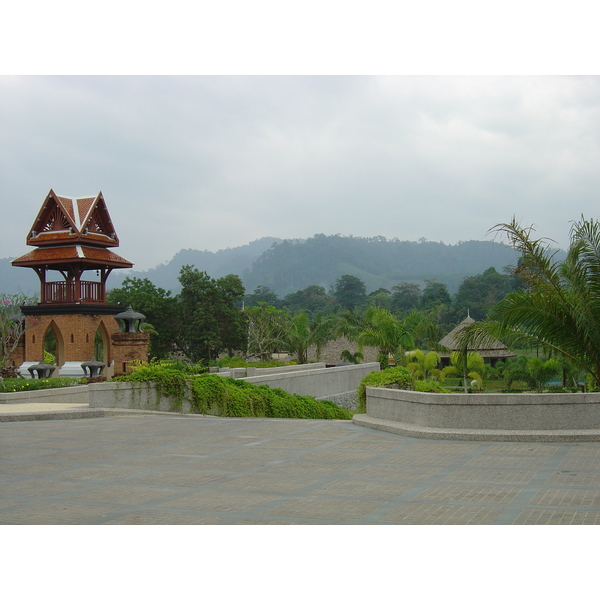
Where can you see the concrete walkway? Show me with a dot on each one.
(159, 469)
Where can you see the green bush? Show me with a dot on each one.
(170, 379)
(25, 385)
(397, 377)
(233, 397)
(429, 386)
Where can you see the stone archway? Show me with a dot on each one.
(102, 346)
(53, 342)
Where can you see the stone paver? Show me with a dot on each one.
(153, 469)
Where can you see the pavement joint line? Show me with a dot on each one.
(423, 485)
(522, 500)
(327, 435)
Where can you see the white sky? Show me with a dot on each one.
(213, 155)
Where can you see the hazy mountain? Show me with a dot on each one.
(321, 260)
(15, 280)
(290, 265)
(216, 264)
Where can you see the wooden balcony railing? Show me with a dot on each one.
(73, 292)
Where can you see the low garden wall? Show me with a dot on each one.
(77, 394)
(133, 395)
(493, 417)
(338, 384)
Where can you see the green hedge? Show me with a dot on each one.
(25, 385)
(233, 397)
(238, 398)
(393, 376)
(429, 386)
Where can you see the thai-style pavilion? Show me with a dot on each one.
(73, 236)
(491, 349)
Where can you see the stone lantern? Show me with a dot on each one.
(130, 321)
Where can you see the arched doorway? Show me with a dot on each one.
(54, 350)
(102, 345)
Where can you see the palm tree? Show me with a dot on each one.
(559, 309)
(297, 339)
(422, 365)
(352, 357)
(322, 331)
(387, 333)
(468, 365)
(349, 325)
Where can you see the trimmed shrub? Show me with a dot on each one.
(429, 386)
(394, 377)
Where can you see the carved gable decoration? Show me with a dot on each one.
(67, 220)
(97, 220)
(56, 221)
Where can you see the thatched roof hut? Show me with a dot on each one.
(490, 348)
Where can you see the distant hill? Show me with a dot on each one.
(15, 280)
(321, 260)
(286, 266)
(217, 264)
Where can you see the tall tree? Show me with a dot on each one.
(312, 300)
(159, 308)
(12, 323)
(210, 320)
(435, 294)
(479, 293)
(350, 291)
(262, 294)
(267, 328)
(381, 298)
(559, 309)
(406, 296)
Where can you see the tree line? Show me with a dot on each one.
(476, 295)
(211, 317)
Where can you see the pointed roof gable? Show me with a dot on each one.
(67, 220)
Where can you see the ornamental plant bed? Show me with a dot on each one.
(227, 397)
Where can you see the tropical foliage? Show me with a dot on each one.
(12, 325)
(397, 377)
(231, 397)
(267, 328)
(558, 310)
(534, 372)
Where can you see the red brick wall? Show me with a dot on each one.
(75, 336)
(74, 333)
(127, 347)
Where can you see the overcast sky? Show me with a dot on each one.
(210, 162)
(219, 159)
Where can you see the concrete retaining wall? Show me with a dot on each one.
(77, 395)
(496, 417)
(253, 371)
(338, 384)
(133, 395)
(321, 383)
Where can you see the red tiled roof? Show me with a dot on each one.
(57, 255)
(73, 221)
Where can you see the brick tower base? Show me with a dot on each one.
(75, 327)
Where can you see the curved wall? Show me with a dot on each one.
(494, 417)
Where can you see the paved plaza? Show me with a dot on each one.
(155, 469)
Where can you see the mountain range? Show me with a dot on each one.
(286, 266)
